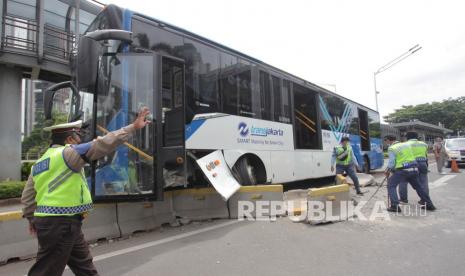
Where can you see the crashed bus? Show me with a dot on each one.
(219, 116)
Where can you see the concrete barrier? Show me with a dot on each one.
(15, 240)
(331, 198)
(199, 204)
(254, 194)
(340, 179)
(296, 204)
(101, 223)
(144, 216)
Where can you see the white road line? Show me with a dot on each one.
(162, 241)
(441, 181)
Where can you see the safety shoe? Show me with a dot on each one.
(428, 207)
(394, 209)
(403, 201)
(360, 192)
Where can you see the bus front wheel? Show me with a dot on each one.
(249, 170)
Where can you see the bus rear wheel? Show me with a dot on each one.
(366, 165)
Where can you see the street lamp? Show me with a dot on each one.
(393, 62)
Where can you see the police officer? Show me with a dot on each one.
(420, 151)
(56, 197)
(404, 167)
(345, 160)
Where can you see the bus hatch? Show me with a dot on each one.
(216, 170)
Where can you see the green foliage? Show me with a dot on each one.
(39, 140)
(11, 189)
(26, 170)
(450, 112)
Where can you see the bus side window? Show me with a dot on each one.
(276, 85)
(265, 95)
(228, 84)
(202, 68)
(281, 96)
(244, 82)
(286, 102)
(305, 126)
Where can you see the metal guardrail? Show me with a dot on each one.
(19, 33)
(23, 34)
(58, 43)
(31, 156)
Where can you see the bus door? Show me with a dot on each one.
(364, 130)
(170, 133)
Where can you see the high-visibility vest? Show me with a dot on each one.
(60, 191)
(343, 156)
(404, 155)
(419, 149)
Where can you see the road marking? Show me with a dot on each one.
(441, 181)
(162, 241)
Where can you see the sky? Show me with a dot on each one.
(337, 42)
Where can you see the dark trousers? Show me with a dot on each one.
(349, 169)
(61, 243)
(422, 178)
(406, 176)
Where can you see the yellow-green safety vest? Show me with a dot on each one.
(404, 155)
(347, 160)
(419, 149)
(60, 191)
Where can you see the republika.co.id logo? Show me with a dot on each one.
(243, 129)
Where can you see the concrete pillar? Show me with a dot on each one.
(10, 123)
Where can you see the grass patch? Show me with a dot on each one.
(11, 189)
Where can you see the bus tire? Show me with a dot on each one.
(366, 165)
(249, 170)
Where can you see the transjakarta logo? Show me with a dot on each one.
(258, 131)
(243, 129)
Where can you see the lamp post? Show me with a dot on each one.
(393, 62)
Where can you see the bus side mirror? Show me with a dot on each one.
(74, 105)
(89, 51)
(87, 63)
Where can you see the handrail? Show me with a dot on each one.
(306, 125)
(305, 117)
(134, 148)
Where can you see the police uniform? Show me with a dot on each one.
(420, 152)
(56, 198)
(345, 160)
(404, 166)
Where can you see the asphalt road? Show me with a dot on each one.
(404, 245)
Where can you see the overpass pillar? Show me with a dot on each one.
(10, 123)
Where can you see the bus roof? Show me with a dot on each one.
(223, 47)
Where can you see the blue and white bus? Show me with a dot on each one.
(267, 125)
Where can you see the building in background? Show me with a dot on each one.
(426, 132)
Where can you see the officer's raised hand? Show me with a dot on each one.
(141, 121)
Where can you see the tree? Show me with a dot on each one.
(39, 140)
(449, 112)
